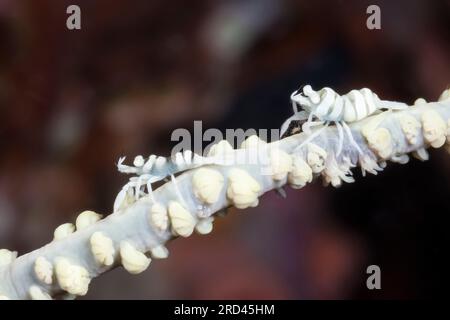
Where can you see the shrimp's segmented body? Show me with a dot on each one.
(154, 169)
(325, 106)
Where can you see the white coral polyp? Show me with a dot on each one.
(133, 260)
(280, 164)
(434, 128)
(380, 141)
(207, 184)
(300, 174)
(43, 270)
(411, 128)
(102, 248)
(72, 278)
(7, 256)
(252, 142)
(182, 221)
(63, 231)
(158, 217)
(87, 218)
(243, 189)
(221, 148)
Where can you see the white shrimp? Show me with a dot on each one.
(154, 169)
(326, 106)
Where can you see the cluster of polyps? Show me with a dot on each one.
(385, 136)
(188, 204)
(72, 278)
(425, 128)
(71, 275)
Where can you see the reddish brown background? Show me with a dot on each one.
(72, 102)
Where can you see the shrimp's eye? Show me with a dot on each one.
(300, 89)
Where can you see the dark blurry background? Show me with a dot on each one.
(72, 102)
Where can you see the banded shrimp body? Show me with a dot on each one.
(151, 170)
(158, 168)
(324, 107)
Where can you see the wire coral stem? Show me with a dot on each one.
(137, 233)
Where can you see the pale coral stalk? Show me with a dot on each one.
(133, 236)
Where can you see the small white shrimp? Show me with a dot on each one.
(325, 106)
(154, 169)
